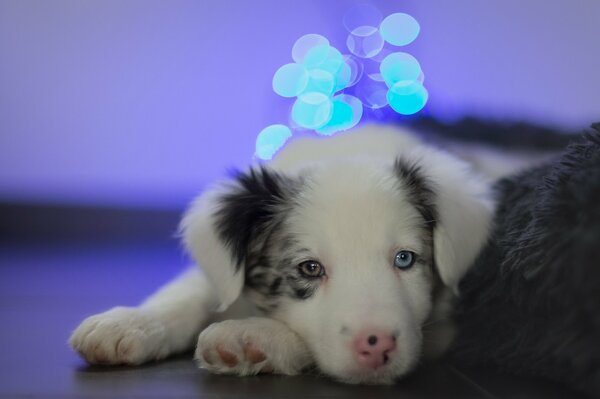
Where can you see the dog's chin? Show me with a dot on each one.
(383, 376)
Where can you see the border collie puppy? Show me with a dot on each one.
(342, 254)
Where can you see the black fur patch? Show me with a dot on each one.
(251, 220)
(531, 303)
(420, 194)
(276, 275)
(301, 287)
(249, 210)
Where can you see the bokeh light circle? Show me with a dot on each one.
(399, 29)
(355, 104)
(406, 87)
(376, 74)
(356, 69)
(316, 56)
(270, 140)
(320, 81)
(324, 57)
(312, 110)
(362, 15)
(290, 80)
(365, 41)
(341, 118)
(399, 66)
(407, 97)
(343, 77)
(333, 61)
(305, 43)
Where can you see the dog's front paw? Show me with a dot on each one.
(120, 336)
(251, 346)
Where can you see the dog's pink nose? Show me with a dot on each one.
(374, 349)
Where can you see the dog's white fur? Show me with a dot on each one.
(353, 217)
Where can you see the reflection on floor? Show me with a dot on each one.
(46, 290)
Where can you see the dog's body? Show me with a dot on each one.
(341, 253)
(539, 275)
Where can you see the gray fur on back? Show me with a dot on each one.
(531, 303)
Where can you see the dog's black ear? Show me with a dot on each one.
(455, 203)
(226, 227)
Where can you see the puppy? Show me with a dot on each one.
(340, 254)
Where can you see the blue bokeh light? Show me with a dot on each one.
(355, 104)
(320, 81)
(305, 43)
(312, 110)
(342, 79)
(399, 29)
(365, 41)
(290, 80)
(341, 118)
(356, 69)
(270, 140)
(407, 97)
(327, 58)
(316, 56)
(399, 66)
(347, 112)
(376, 74)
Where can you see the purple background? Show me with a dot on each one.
(144, 102)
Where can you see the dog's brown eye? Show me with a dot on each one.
(311, 268)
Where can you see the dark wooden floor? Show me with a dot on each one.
(45, 290)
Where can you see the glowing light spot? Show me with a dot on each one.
(347, 112)
(324, 57)
(373, 94)
(399, 66)
(365, 41)
(362, 15)
(399, 29)
(376, 74)
(306, 43)
(406, 87)
(316, 56)
(320, 81)
(312, 110)
(342, 79)
(332, 66)
(290, 80)
(341, 118)
(271, 139)
(355, 104)
(356, 69)
(407, 97)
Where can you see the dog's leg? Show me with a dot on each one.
(251, 346)
(166, 323)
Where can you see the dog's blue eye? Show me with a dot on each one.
(404, 259)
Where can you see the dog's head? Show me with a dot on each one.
(346, 253)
